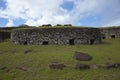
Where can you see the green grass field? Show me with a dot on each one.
(13, 56)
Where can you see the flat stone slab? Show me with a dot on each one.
(57, 66)
(81, 66)
(112, 65)
(82, 56)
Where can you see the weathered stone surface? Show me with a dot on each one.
(81, 66)
(45, 36)
(118, 64)
(94, 66)
(108, 33)
(57, 66)
(112, 65)
(4, 35)
(82, 56)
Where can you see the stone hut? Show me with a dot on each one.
(109, 33)
(45, 36)
(4, 35)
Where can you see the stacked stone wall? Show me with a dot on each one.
(108, 33)
(4, 35)
(45, 36)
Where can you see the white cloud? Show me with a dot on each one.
(38, 12)
(115, 22)
(108, 10)
(10, 23)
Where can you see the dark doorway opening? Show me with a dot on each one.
(45, 43)
(112, 36)
(103, 37)
(25, 43)
(71, 42)
(91, 42)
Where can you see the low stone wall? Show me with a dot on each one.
(4, 35)
(108, 33)
(44, 36)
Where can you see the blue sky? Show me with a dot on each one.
(95, 13)
(2, 4)
(68, 5)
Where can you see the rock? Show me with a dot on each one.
(118, 64)
(94, 66)
(22, 68)
(57, 66)
(110, 65)
(101, 65)
(81, 66)
(27, 51)
(82, 56)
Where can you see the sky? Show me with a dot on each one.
(93, 13)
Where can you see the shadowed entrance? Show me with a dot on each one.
(71, 42)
